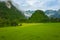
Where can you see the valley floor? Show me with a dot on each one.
(38, 31)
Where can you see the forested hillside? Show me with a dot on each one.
(39, 16)
(9, 16)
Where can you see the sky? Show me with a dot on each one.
(36, 4)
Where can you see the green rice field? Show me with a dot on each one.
(31, 31)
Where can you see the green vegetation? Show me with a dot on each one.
(34, 31)
(14, 25)
(39, 16)
(12, 17)
(9, 17)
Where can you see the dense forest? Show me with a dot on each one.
(9, 16)
(12, 17)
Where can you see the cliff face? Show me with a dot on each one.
(8, 4)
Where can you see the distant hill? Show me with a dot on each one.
(53, 13)
(39, 16)
(49, 13)
(59, 11)
(28, 13)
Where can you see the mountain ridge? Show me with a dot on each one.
(9, 15)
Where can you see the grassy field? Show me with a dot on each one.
(38, 31)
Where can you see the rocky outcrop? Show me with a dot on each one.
(8, 4)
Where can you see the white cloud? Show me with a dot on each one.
(31, 2)
(36, 4)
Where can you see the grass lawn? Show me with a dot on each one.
(38, 31)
